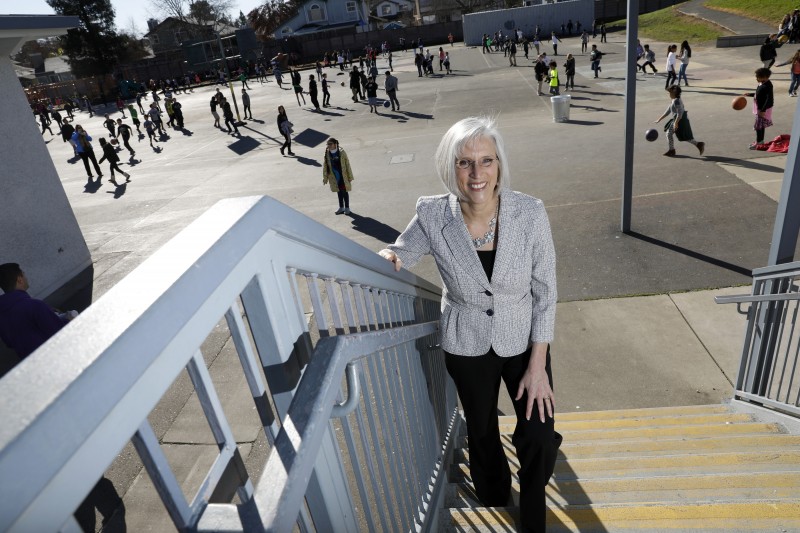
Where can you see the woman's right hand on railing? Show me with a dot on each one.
(391, 257)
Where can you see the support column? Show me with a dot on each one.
(632, 32)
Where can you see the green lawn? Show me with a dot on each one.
(668, 25)
(768, 11)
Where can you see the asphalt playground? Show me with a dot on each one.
(636, 324)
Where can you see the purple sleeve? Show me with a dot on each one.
(46, 319)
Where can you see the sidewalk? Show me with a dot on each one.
(734, 23)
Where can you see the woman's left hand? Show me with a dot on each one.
(537, 384)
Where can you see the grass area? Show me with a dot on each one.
(668, 25)
(768, 11)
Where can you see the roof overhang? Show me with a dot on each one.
(18, 29)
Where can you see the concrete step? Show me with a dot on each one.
(581, 450)
(508, 423)
(643, 412)
(664, 465)
(650, 433)
(774, 515)
(663, 489)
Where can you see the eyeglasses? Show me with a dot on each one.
(484, 162)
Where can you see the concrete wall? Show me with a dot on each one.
(549, 17)
(38, 228)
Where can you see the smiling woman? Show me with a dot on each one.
(494, 250)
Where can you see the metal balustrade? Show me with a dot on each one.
(768, 373)
(339, 354)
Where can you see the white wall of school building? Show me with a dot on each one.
(549, 17)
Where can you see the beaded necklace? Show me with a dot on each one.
(489, 235)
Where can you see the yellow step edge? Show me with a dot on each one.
(578, 449)
(642, 412)
(700, 460)
(707, 481)
(668, 446)
(465, 497)
(779, 481)
(686, 420)
(645, 433)
(664, 516)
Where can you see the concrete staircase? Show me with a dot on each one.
(697, 468)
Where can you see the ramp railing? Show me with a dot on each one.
(339, 354)
(768, 372)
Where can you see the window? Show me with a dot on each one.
(386, 10)
(315, 13)
(352, 12)
(178, 37)
(154, 38)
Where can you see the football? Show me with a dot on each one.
(386, 103)
(651, 135)
(739, 103)
(342, 84)
(783, 39)
(114, 141)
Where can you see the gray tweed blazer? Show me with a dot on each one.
(515, 308)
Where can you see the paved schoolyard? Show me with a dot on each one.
(700, 223)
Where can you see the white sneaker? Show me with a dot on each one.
(346, 210)
(340, 211)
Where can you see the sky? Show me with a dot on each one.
(125, 10)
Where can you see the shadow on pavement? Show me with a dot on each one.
(374, 228)
(584, 122)
(311, 138)
(119, 190)
(691, 253)
(745, 163)
(308, 161)
(410, 114)
(92, 186)
(105, 498)
(243, 145)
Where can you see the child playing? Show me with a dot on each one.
(762, 105)
(552, 77)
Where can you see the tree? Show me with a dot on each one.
(47, 47)
(242, 20)
(212, 13)
(271, 15)
(94, 47)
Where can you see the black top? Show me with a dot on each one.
(487, 260)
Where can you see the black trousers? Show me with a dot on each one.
(344, 199)
(88, 155)
(477, 380)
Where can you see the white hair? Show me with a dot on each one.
(460, 134)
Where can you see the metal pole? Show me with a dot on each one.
(787, 219)
(632, 33)
(230, 83)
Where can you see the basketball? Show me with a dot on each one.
(783, 39)
(651, 135)
(386, 103)
(114, 141)
(342, 84)
(739, 103)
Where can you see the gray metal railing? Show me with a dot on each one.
(339, 354)
(768, 373)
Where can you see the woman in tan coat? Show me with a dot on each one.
(336, 171)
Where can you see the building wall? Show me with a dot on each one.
(549, 17)
(39, 229)
(335, 12)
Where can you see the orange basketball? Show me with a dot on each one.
(739, 103)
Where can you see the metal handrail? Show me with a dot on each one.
(769, 370)
(71, 406)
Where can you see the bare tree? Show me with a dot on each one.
(266, 18)
(212, 13)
